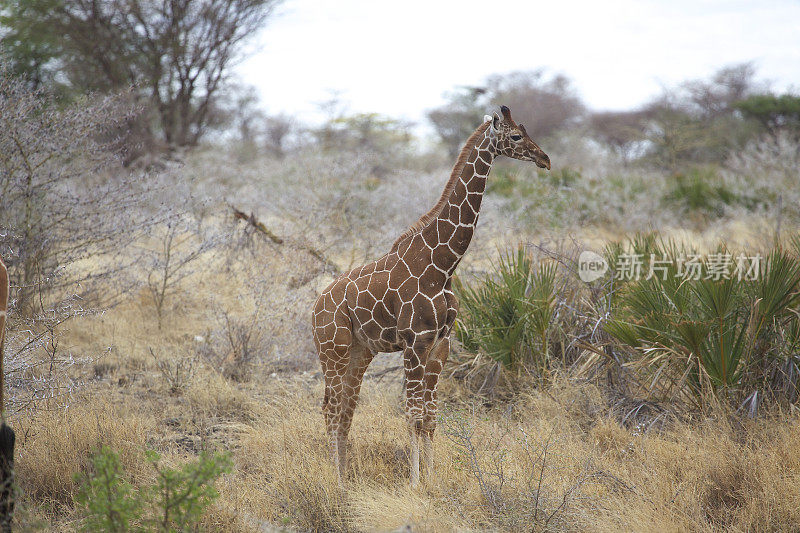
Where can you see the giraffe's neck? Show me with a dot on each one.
(455, 225)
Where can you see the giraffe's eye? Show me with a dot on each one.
(516, 137)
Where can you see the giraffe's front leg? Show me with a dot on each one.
(433, 369)
(414, 358)
(332, 408)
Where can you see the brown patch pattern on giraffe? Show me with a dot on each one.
(404, 301)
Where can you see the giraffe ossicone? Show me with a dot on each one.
(403, 301)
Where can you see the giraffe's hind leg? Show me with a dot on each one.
(433, 369)
(360, 358)
(334, 365)
(333, 337)
(344, 371)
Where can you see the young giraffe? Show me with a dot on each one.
(403, 301)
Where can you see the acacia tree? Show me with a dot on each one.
(717, 96)
(277, 131)
(622, 131)
(774, 113)
(548, 103)
(176, 53)
(697, 122)
(63, 197)
(457, 119)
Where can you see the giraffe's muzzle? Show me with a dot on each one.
(542, 160)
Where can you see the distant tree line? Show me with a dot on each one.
(173, 57)
(700, 121)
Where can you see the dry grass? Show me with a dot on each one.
(551, 460)
(54, 447)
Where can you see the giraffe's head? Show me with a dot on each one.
(511, 140)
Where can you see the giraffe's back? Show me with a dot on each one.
(386, 302)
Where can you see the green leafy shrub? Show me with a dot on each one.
(507, 317)
(504, 182)
(701, 190)
(180, 495)
(109, 498)
(175, 502)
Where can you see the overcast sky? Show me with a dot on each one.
(399, 58)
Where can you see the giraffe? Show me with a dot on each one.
(404, 300)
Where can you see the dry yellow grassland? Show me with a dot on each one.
(556, 459)
(552, 460)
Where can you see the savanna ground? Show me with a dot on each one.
(226, 363)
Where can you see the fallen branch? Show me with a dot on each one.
(258, 225)
(380, 374)
(327, 263)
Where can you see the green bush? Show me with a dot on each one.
(710, 329)
(700, 190)
(109, 498)
(731, 338)
(512, 183)
(508, 317)
(772, 112)
(175, 502)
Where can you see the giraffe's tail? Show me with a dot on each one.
(326, 398)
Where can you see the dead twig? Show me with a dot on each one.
(257, 224)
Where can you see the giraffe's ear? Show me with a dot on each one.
(487, 118)
(496, 122)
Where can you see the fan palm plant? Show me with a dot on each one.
(507, 316)
(723, 335)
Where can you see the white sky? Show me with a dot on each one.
(400, 57)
